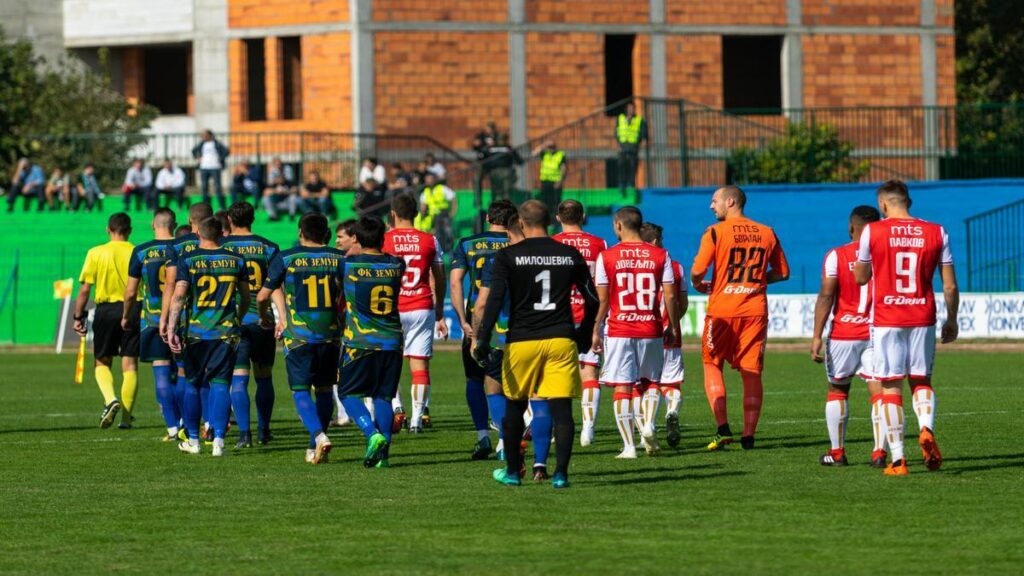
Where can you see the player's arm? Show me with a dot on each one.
(282, 311)
(822, 309)
(778, 270)
(671, 301)
(950, 292)
(500, 274)
(131, 292)
(862, 269)
(177, 304)
(459, 299)
(244, 296)
(170, 275)
(437, 271)
(701, 262)
(84, 290)
(584, 283)
(481, 296)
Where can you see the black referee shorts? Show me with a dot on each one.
(108, 338)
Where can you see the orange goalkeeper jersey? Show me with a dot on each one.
(741, 251)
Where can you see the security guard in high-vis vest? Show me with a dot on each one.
(552, 173)
(438, 205)
(630, 132)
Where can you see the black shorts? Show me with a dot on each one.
(373, 373)
(152, 347)
(475, 371)
(108, 338)
(257, 346)
(209, 361)
(313, 365)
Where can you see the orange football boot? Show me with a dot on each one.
(930, 450)
(897, 469)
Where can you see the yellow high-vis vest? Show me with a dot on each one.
(628, 131)
(551, 166)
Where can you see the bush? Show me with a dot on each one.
(803, 154)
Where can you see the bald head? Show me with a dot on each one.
(728, 202)
(534, 214)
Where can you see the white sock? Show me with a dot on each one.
(396, 403)
(892, 416)
(878, 426)
(837, 414)
(589, 405)
(193, 441)
(342, 414)
(500, 446)
(636, 405)
(419, 395)
(924, 407)
(527, 416)
(368, 402)
(172, 431)
(218, 442)
(624, 419)
(649, 403)
(673, 399)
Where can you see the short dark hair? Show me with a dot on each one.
(164, 219)
(370, 232)
(865, 214)
(515, 225)
(897, 190)
(631, 217)
(534, 214)
(500, 211)
(405, 206)
(314, 227)
(183, 230)
(210, 229)
(349, 226)
(222, 217)
(199, 211)
(120, 223)
(241, 214)
(570, 212)
(736, 193)
(651, 232)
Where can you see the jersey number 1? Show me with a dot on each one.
(545, 304)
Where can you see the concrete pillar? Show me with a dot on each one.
(363, 105)
(518, 126)
(210, 65)
(793, 59)
(660, 146)
(929, 92)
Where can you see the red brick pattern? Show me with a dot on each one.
(694, 68)
(762, 12)
(589, 11)
(945, 56)
(565, 79)
(862, 70)
(257, 13)
(862, 12)
(440, 10)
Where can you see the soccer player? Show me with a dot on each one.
(344, 239)
(542, 355)
(672, 369)
(629, 278)
(106, 268)
(371, 363)
(901, 253)
(257, 345)
(483, 383)
(305, 285)
(571, 216)
(212, 284)
(146, 268)
(848, 343)
(421, 308)
(747, 257)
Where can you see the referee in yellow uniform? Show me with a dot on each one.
(106, 269)
(541, 358)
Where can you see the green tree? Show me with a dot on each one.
(989, 51)
(802, 154)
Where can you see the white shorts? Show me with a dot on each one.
(629, 360)
(418, 328)
(672, 370)
(903, 352)
(590, 359)
(845, 359)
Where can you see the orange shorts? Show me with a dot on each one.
(738, 341)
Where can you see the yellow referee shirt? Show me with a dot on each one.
(106, 268)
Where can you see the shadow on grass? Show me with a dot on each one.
(682, 476)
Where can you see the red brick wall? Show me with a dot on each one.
(590, 11)
(945, 58)
(255, 13)
(442, 84)
(862, 12)
(733, 12)
(565, 75)
(693, 65)
(441, 10)
(862, 70)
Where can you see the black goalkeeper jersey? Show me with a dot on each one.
(538, 275)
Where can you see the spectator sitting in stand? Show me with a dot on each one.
(28, 181)
(137, 183)
(435, 167)
(371, 170)
(372, 199)
(280, 193)
(88, 188)
(398, 172)
(170, 182)
(315, 195)
(58, 189)
(245, 183)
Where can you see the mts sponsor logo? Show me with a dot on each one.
(906, 230)
(634, 253)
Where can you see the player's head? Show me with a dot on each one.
(225, 223)
(499, 212)
(627, 222)
(210, 229)
(164, 221)
(345, 234)
(570, 213)
(728, 201)
(404, 208)
(119, 225)
(183, 230)
(313, 228)
(652, 234)
(860, 217)
(199, 212)
(515, 230)
(241, 215)
(370, 233)
(534, 215)
(893, 196)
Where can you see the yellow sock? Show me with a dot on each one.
(105, 380)
(129, 387)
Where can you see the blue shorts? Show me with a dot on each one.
(475, 371)
(257, 346)
(313, 365)
(373, 373)
(152, 347)
(209, 361)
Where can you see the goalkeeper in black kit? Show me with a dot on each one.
(537, 276)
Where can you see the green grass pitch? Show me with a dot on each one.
(77, 499)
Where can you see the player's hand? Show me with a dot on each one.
(816, 351)
(704, 287)
(175, 343)
(279, 329)
(162, 330)
(481, 352)
(80, 327)
(597, 343)
(267, 322)
(124, 323)
(441, 327)
(467, 330)
(672, 338)
(950, 331)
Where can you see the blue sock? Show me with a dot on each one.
(190, 408)
(477, 401)
(204, 403)
(324, 407)
(307, 412)
(220, 407)
(180, 387)
(496, 403)
(540, 428)
(240, 400)
(264, 401)
(384, 415)
(359, 414)
(165, 395)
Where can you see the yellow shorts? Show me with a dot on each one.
(542, 369)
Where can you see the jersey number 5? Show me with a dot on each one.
(412, 276)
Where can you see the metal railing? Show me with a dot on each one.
(995, 249)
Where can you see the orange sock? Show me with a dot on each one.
(753, 395)
(714, 387)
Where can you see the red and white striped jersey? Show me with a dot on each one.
(421, 251)
(589, 246)
(634, 273)
(851, 311)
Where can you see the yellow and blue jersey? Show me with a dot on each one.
(501, 326)
(311, 280)
(472, 253)
(257, 252)
(372, 283)
(148, 264)
(182, 247)
(213, 277)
